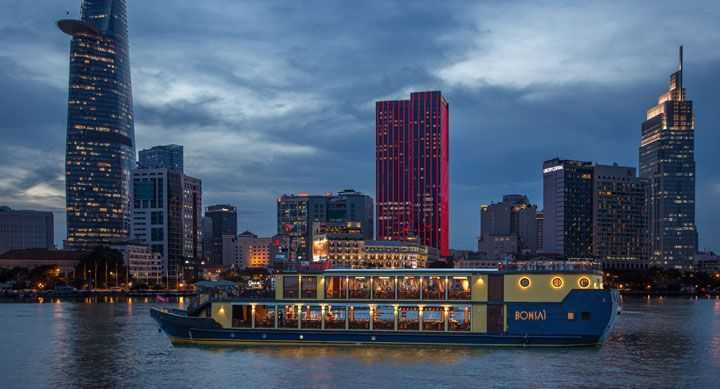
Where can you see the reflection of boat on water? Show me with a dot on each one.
(437, 307)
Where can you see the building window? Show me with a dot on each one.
(384, 288)
(156, 234)
(359, 288)
(290, 287)
(409, 288)
(359, 317)
(408, 318)
(287, 316)
(335, 316)
(309, 287)
(433, 288)
(459, 318)
(383, 317)
(433, 319)
(264, 316)
(311, 316)
(242, 316)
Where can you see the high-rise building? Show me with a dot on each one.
(619, 221)
(540, 218)
(297, 215)
(162, 157)
(166, 214)
(21, 229)
(100, 130)
(247, 250)
(508, 228)
(667, 162)
(224, 222)
(568, 211)
(412, 157)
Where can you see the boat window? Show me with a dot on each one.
(433, 288)
(287, 316)
(309, 287)
(290, 287)
(384, 288)
(265, 316)
(359, 317)
(409, 288)
(311, 316)
(433, 319)
(242, 316)
(335, 316)
(459, 288)
(383, 317)
(359, 287)
(408, 318)
(334, 287)
(459, 318)
(584, 315)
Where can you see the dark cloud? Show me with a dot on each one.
(271, 97)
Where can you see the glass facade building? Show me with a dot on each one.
(667, 162)
(224, 222)
(162, 157)
(100, 131)
(412, 177)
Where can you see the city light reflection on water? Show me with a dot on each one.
(658, 343)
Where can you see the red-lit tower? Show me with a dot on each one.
(412, 153)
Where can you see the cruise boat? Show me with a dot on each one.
(447, 307)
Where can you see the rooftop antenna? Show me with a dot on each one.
(680, 68)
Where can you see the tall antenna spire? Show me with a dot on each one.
(680, 68)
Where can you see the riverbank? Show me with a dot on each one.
(81, 295)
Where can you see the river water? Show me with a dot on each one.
(661, 343)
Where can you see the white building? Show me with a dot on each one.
(143, 264)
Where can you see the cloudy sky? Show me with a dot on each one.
(272, 97)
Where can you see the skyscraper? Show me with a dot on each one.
(162, 157)
(667, 161)
(224, 222)
(568, 208)
(619, 221)
(508, 228)
(412, 157)
(100, 131)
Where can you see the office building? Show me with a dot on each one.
(247, 250)
(508, 228)
(297, 215)
(619, 220)
(143, 265)
(100, 130)
(21, 229)
(667, 162)
(540, 220)
(412, 156)
(166, 217)
(568, 211)
(162, 157)
(224, 222)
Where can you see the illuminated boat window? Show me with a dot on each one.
(290, 287)
(409, 288)
(335, 316)
(408, 318)
(241, 316)
(557, 282)
(433, 319)
(459, 288)
(335, 287)
(359, 288)
(584, 282)
(264, 316)
(571, 315)
(433, 288)
(383, 317)
(311, 316)
(459, 318)
(287, 316)
(384, 288)
(359, 317)
(524, 282)
(309, 287)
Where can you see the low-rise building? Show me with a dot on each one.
(142, 263)
(707, 262)
(247, 250)
(65, 260)
(20, 229)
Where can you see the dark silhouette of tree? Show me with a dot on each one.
(102, 267)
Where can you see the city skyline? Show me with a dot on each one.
(249, 155)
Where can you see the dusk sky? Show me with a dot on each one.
(273, 97)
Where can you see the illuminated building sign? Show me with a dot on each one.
(552, 169)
